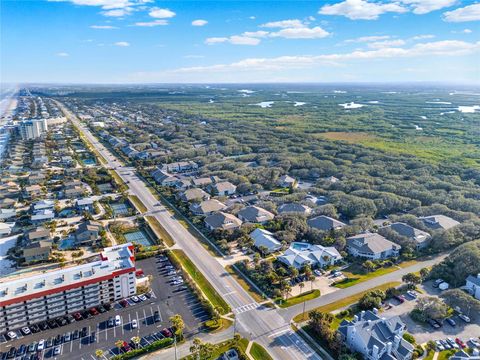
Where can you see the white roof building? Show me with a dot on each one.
(264, 238)
(300, 254)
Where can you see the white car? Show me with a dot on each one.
(134, 324)
(56, 351)
(135, 298)
(440, 347)
(41, 345)
(475, 342)
(142, 297)
(317, 272)
(118, 320)
(25, 331)
(12, 335)
(464, 318)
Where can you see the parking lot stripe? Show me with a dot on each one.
(138, 321)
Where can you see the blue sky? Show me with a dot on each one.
(140, 41)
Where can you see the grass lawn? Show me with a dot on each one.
(117, 178)
(211, 294)
(408, 263)
(429, 355)
(160, 231)
(137, 203)
(258, 352)
(245, 284)
(218, 350)
(444, 355)
(305, 296)
(355, 274)
(345, 301)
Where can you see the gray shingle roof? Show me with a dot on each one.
(371, 243)
(324, 223)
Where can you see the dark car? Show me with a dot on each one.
(52, 324)
(148, 295)
(110, 322)
(49, 343)
(93, 311)
(433, 324)
(78, 316)
(61, 321)
(400, 298)
(43, 325)
(34, 328)
(83, 333)
(107, 307)
(76, 334)
(86, 314)
(58, 340)
(451, 321)
(70, 319)
(93, 337)
(32, 347)
(11, 352)
(21, 350)
(156, 316)
(124, 303)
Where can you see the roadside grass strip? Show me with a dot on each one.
(137, 203)
(298, 299)
(160, 231)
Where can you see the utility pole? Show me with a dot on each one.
(175, 342)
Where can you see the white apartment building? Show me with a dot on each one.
(28, 300)
(33, 129)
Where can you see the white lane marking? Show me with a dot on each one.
(229, 293)
(279, 332)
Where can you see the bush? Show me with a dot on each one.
(212, 324)
(409, 337)
(156, 345)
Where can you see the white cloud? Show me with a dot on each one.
(252, 17)
(122, 44)
(301, 33)
(107, 4)
(386, 43)
(161, 13)
(259, 33)
(425, 6)
(369, 38)
(423, 37)
(103, 27)
(234, 40)
(62, 54)
(118, 12)
(467, 13)
(199, 22)
(293, 23)
(158, 22)
(444, 48)
(361, 9)
(467, 31)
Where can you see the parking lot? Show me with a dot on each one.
(424, 332)
(165, 298)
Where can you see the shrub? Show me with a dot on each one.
(409, 337)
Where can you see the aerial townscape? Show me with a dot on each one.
(240, 180)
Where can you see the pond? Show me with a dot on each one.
(89, 161)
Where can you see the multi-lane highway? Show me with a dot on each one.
(269, 327)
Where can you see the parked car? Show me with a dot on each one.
(86, 314)
(93, 337)
(437, 282)
(12, 335)
(464, 318)
(76, 334)
(135, 298)
(453, 343)
(93, 311)
(32, 347)
(142, 297)
(52, 324)
(67, 337)
(61, 321)
(111, 322)
(440, 347)
(34, 328)
(26, 331)
(317, 272)
(41, 345)
(400, 298)
(460, 343)
(70, 319)
(43, 325)
(412, 293)
(445, 344)
(78, 316)
(107, 307)
(49, 342)
(118, 320)
(21, 350)
(166, 332)
(156, 316)
(451, 321)
(126, 347)
(11, 352)
(56, 350)
(124, 303)
(134, 324)
(101, 309)
(433, 323)
(474, 342)
(58, 340)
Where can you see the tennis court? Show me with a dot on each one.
(138, 237)
(120, 209)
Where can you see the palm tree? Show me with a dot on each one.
(311, 278)
(99, 353)
(177, 322)
(301, 286)
(195, 348)
(135, 341)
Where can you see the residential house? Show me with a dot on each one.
(33, 191)
(39, 234)
(42, 216)
(264, 239)
(224, 188)
(180, 167)
(194, 195)
(67, 161)
(439, 222)
(164, 178)
(87, 232)
(222, 221)
(372, 246)
(6, 214)
(37, 251)
(473, 285)
(202, 182)
(287, 181)
(462, 354)
(421, 238)
(325, 223)
(75, 192)
(300, 254)
(255, 215)
(8, 202)
(36, 178)
(207, 207)
(129, 151)
(43, 204)
(375, 337)
(85, 204)
(6, 228)
(294, 208)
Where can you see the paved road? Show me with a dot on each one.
(265, 326)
